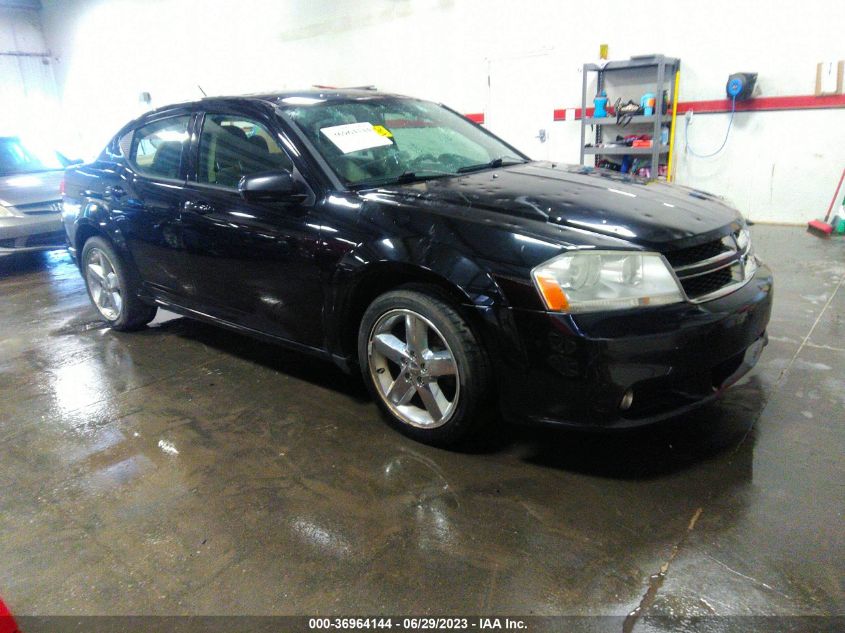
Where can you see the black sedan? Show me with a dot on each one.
(394, 236)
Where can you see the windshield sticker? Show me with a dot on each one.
(354, 137)
(380, 129)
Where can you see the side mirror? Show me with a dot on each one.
(268, 185)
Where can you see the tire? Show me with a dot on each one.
(112, 288)
(412, 383)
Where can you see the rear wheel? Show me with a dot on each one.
(113, 291)
(424, 366)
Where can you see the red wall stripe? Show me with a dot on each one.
(758, 104)
(7, 622)
(560, 114)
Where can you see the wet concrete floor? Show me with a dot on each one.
(188, 470)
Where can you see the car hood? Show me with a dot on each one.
(650, 214)
(29, 189)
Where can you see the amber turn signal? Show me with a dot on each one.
(553, 296)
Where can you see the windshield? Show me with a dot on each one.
(17, 159)
(369, 142)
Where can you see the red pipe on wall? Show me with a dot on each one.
(758, 104)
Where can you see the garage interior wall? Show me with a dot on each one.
(28, 95)
(514, 61)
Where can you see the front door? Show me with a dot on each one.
(253, 262)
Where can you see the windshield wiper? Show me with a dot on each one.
(425, 174)
(496, 162)
(404, 178)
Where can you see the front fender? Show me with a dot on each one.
(469, 280)
(380, 265)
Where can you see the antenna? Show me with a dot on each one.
(202, 91)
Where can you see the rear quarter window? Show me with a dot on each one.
(117, 149)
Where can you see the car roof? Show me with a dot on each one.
(278, 98)
(326, 94)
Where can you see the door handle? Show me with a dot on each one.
(114, 192)
(200, 208)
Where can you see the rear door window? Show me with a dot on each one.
(157, 148)
(232, 147)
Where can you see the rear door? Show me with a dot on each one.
(253, 263)
(149, 201)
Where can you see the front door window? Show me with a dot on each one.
(232, 147)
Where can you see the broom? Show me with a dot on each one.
(821, 227)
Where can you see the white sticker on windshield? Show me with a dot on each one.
(354, 137)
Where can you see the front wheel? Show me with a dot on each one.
(425, 367)
(112, 289)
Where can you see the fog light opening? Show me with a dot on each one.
(627, 400)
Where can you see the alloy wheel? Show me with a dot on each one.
(413, 368)
(104, 284)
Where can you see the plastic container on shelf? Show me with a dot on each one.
(600, 105)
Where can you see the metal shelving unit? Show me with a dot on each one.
(622, 151)
(664, 68)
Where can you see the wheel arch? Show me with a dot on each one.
(444, 272)
(96, 223)
(84, 232)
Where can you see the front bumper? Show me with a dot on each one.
(575, 370)
(32, 233)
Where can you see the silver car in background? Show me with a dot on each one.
(30, 200)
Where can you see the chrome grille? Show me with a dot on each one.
(709, 270)
(693, 254)
(37, 208)
(709, 282)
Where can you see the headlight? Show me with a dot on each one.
(5, 212)
(594, 281)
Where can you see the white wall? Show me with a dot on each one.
(28, 94)
(778, 166)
